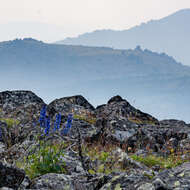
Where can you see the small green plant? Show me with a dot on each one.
(10, 122)
(137, 120)
(88, 119)
(48, 159)
(12, 131)
(149, 176)
(151, 160)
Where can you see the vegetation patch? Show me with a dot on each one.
(88, 119)
(163, 162)
(103, 159)
(140, 121)
(47, 159)
(10, 122)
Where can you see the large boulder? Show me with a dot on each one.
(65, 182)
(18, 111)
(10, 177)
(127, 181)
(172, 179)
(122, 123)
(119, 122)
(52, 181)
(13, 99)
(118, 107)
(73, 104)
(21, 105)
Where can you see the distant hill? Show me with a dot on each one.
(169, 35)
(153, 82)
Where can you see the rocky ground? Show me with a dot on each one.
(111, 147)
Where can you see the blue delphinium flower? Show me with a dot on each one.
(42, 118)
(57, 122)
(68, 125)
(47, 125)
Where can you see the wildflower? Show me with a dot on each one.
(57, 122)
(68, 125)
(172, 151)
(42, 118)
(47, 125)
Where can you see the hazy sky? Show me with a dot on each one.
(78, 16)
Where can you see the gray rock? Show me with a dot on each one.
(74, 104)
(146, 186)
(10, 100)
(10, 177)
(53, 181)
(178, 177)
(126, 181)
(118, 107)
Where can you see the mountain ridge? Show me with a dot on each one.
(157, 35)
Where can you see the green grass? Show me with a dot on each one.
(89, 119)
(139, 121)
(164, 163)
(12, 131)
(103, 159)
(9, 121)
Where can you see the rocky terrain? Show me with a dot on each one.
(112, 147)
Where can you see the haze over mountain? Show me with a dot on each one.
(154, 82)
(170, 35)
(43, 31)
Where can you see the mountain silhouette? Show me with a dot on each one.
(169, 35)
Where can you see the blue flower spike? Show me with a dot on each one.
(47, 125)
(57, 122)
(42, 118)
